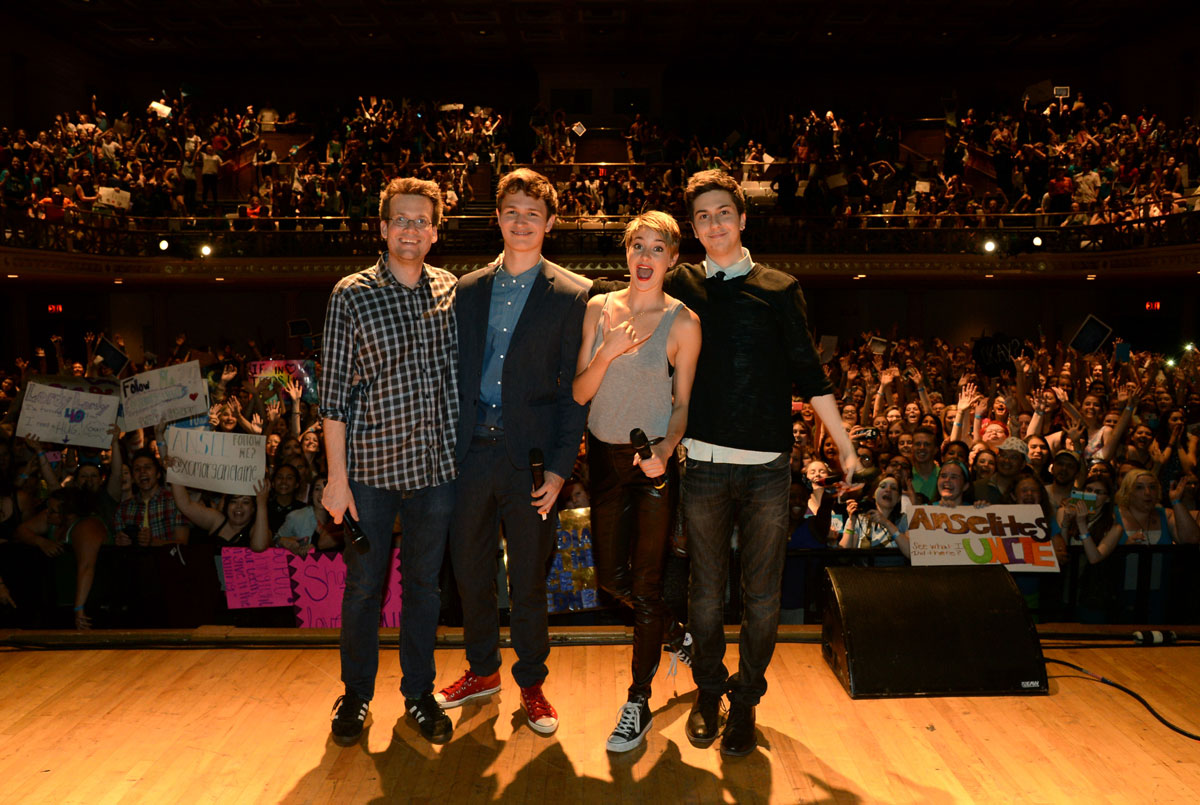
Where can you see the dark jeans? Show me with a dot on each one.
(424, 516)
(489, 490)
(755, 497)
(208, 183)
(631, 524)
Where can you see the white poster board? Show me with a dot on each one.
(230, 463)
(114, 197)
(163, 395)
(65, 416)
(1016, 536)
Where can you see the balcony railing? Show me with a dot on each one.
(123, 236)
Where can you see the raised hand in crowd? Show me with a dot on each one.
(294, 390)
(967, 395)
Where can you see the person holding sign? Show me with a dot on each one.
(632, 339)
(952, 483)
(241, 522)
(389, 398)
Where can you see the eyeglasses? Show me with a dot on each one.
(400, 222)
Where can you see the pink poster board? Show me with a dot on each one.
(318, 581)
(256, 579)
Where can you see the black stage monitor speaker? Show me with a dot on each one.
(930, 631)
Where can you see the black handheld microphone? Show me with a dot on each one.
(641, 446)
(537, 468)
(358, 537)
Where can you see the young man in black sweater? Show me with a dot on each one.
(757, 344)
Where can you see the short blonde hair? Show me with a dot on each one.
(660, 223)
(1129, 481)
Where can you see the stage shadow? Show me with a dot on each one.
(476, 766)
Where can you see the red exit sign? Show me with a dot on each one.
(1153, 305)
(54, 308)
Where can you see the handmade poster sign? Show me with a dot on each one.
(1016, 536)
(571, 583)
(163, 395)
(269, 377)
(256, 579)
(318, 581)
(65, 416)
(110, 355)
(230, 463)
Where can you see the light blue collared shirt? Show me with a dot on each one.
(509, 295)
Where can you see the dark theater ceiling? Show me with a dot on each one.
(837, 34)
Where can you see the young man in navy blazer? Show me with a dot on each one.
(520, 324)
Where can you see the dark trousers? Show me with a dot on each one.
(424, 517)
(631, 524)
(208, 183)
(755, 497)
(489, 490)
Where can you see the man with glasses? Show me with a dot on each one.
(389, 399)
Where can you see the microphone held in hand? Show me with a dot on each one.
(358, 537)
(641, 446)
(537, 468)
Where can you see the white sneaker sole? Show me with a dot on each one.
(446, 704)
(544, 729)
(625, 746)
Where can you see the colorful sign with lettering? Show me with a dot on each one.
(318, 581)
(1016, 536)
(231, 463)
(163, 395)
(269, 377)
(64, 416)
(256, 579)
(571, 584)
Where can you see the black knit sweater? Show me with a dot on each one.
(756, 344)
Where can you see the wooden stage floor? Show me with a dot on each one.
(242, 725)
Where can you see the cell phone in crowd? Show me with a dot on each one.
(1123, 352)
(1088, 499)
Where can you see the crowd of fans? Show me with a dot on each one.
(1105, 444)
(1062, 162)
(1066, 162)
(169, 159)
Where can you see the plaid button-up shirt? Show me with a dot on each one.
(402, 345)
(159, 514)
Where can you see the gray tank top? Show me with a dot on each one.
(636, 390)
